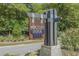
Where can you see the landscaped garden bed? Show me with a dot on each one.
(69, 53)
(70, 42)
(21, 42)
(10, 40)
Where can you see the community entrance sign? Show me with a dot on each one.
(51, 46)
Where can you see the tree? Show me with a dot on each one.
(9, 13)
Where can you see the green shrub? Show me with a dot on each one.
(70, 39)
(16, 30)
(66, 24)
(2, 38)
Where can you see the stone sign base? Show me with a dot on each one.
(50, 51)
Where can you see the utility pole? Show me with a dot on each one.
(51, 46)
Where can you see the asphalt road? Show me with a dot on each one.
(19, 49)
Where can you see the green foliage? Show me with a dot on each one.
(68, 12)
(13, 18)
(38, 8)
(69, 15)
(70, 39)
(10, 13)
(11, 38)
(66, 24)
(16, 29)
